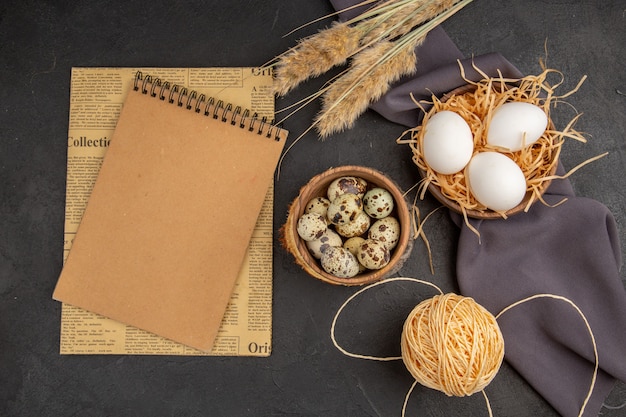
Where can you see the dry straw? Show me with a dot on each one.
(378, 46)
(476, 106)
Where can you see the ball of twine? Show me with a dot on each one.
(452, 344)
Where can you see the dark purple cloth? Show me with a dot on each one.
(571, 250)
(398, 105)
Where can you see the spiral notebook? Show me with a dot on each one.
(168, 222)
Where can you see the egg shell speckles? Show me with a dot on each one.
(317, 205)
(353, 244)
(339, 262)
(344, 209)
(357, 227)
(318, 246)
(373, 254)
(378, 203)
(311, 226)
(386, 230)
(344, 185)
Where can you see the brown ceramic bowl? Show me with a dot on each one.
(317, 187)
(483, 214)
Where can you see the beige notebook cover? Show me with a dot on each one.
(167, 225)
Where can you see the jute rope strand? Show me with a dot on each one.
(352, 297)
(593, 339)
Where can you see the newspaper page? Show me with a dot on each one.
(96, 98)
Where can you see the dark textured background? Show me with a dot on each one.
(305, 376)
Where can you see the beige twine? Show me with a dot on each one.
(452, 344)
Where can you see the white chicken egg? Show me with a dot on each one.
(448, 142)
(515, 125)
(496, 181)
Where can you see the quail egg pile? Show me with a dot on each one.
(351, 229)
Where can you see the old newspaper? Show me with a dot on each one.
(96, 98)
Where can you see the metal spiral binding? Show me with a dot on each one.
(173, 90)
(244, 116)
(252, 122)
(228, 109)
(165, 86)
(236, 112)
(218, 106)
(156, 83)
(209, 103)
(263, 123)
(191, 100)
(201, 99)
(181, 96)
(192, 96)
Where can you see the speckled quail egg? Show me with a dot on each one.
(386, 230)
(318, 246)
(357, 227)
(344, 209)
(311, 226)
(338, 261)
(353, 244)
(344, 185)
(373, 254)
(378, 203)
(317, 205)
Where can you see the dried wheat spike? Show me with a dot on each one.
(370, 75)
(315, 55)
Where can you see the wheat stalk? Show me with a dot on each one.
(379, 43)
(370, 76)
(405, 17)
(315, 55)
(392, 23)
(372, 73)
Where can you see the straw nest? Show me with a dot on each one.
(476, 103)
